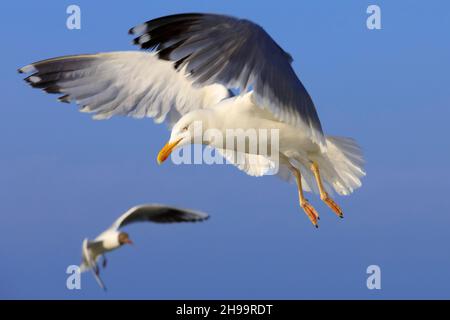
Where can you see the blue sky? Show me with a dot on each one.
(64, 177)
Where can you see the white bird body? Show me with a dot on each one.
(109, 239)
(241, 112)
(92, 251)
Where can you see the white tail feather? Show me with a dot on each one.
(342, 167)
(348, 162)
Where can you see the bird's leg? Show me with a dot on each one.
(96, 269)
(323, 194)
(104, 261)
(309, 209)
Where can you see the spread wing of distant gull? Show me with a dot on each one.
(158, 213)
(112, 238)
(191, 65)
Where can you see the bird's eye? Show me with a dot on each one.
(185, 128)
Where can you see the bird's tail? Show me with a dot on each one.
(342, 167)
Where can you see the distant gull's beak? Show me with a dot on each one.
(128, 241)
(167, 150)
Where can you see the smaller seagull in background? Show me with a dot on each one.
(114, 238)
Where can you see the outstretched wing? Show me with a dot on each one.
(90, 263)
(136, 84)
(158, 214)
(238, 54)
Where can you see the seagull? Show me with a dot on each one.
(113, 238)
(224, 72)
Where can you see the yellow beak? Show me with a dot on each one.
(166, 151)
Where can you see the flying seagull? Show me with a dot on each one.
(113, 238)
(193, 64)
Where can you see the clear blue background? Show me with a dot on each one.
(64, 176)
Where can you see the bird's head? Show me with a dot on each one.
(124, 238)
(187, 130)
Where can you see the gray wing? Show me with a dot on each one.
(98, 279)
(238, 54)
(158, 214)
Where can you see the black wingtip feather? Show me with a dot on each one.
(27, 79)
(64, 99)
(52, 89)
